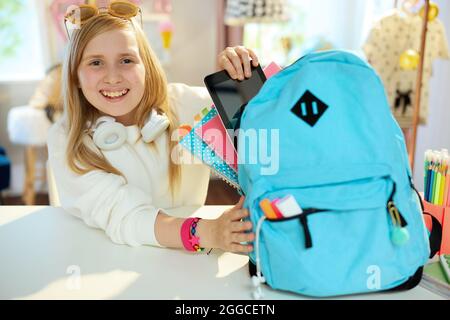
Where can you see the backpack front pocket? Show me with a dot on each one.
(347, 242)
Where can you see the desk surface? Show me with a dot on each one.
(45, 253)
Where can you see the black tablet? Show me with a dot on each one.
(231, 96)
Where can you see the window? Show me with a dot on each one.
(21, 56)
(314, 25)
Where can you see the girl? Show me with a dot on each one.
(122, 182)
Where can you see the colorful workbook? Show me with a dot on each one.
(214, 134)
(207, 155)
(209, 141)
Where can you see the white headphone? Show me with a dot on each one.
(110, 135)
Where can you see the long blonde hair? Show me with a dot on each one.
(79, 112)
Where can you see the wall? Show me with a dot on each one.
(194, 45)
(193, 56)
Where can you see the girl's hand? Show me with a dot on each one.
(236, 61)
(228, 231)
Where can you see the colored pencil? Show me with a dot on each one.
(434, 178)
(447, 187)
(426, 176)
(443, 179)
(437, 177)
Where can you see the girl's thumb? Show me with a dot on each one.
(240, 203)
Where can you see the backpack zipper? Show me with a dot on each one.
(303, 216)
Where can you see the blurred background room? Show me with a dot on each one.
(187, 35)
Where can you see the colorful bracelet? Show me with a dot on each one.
(188, 229)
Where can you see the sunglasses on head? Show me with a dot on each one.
(79, 15)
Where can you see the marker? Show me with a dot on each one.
(266, 207)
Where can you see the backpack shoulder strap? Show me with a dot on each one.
(435, 235)
(436, 227)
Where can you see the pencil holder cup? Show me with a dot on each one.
(442, 214)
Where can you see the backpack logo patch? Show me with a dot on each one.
(309, 108)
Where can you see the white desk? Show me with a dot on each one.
(44, 249)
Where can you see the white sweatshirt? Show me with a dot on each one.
(127, 209)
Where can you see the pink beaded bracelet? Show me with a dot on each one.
(190, 241)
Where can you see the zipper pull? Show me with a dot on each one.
(286, 207)
(304, 222)
(399, 233)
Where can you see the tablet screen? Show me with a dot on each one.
(231, 96)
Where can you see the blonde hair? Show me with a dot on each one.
(79, 112)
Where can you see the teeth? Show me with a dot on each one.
(114, 94)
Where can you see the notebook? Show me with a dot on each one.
(207, 155)
(271, 69)
(214, 134)
(434, 278)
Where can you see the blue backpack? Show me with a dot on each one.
(338, 213)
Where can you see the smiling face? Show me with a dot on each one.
(111, 74)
